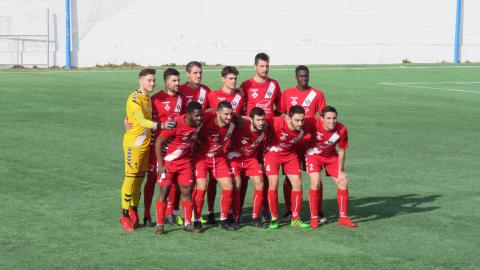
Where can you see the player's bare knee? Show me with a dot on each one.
(342, 183)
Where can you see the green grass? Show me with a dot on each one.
(413, 164)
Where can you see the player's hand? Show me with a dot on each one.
(161, 170)
(127, 124)
(342, 175)
(169, 124)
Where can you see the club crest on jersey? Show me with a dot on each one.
(216, 137)
(294, 101)
(319, 136)
(283, 136)
(244, 140)
(254, 92)
(166, 105)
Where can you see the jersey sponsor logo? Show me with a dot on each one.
(189, 98)
(254, 92)
(221, 98)
(294, 101)
(270, 90)
(264, 104)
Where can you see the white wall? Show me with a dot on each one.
(309, 32)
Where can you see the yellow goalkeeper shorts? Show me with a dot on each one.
(136, 160)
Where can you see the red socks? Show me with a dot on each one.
(187, 211)
(342, 200)
(199, 199)
(313, 197)
(297, 200)
(287, 194)
(160, 209)
(225, 203)
(257, 203)
(273, 202)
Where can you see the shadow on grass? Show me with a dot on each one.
(375, 208)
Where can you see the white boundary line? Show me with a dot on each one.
(240, 69)
(433, 88)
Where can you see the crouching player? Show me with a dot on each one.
(246, 141)
(323, 153)
(176, 166)
(286, 134)
(136, 147)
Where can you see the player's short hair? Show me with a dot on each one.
(193, 105)
(297, 109)
(224, 104)
(146, 71)
(229, 70)
(257, 111)
(170, 72)
(300, 68)
(261, 56)
(328, 109)
(192, 64)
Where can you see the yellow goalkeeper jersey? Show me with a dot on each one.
(139, 114)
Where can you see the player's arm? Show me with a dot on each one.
(145, 123)
(164, 136)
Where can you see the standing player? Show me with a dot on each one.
(313, 101)
(210, 156)
(193, 89)
(323, 153)
(176, 166)
(167, 104)
(136, 147)
(246, 141)
(287, 132)
(229, 92)
(263, 92)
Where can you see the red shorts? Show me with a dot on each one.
(250, 166)
(316, 162)
(178, 170)
(289, 161)
(217, 166)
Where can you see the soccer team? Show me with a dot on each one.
(184, 133)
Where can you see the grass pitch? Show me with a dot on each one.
(413, 163)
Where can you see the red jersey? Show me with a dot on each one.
(245, 142)
(324, 142)
(263, 95)
(312, 100)
(212, 138)
(167, 107)
(236, 99)
(183, 137)
(282, 139)
(200, 94)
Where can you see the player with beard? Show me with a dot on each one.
(210, 156)
(262, 92)
(287, 132)
(229, 92)
(242, 157)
